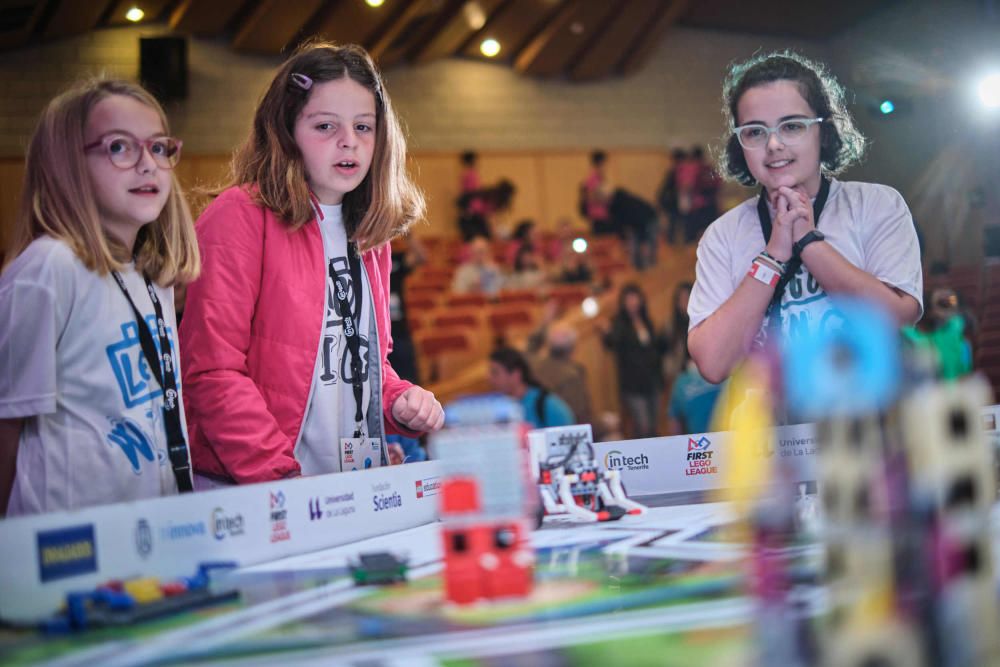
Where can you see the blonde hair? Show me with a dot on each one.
(385, 204)
(58, 197)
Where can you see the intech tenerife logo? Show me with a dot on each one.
(279, 518)
(66, 552)
(615, 460)
(699, 457)
(226, 525)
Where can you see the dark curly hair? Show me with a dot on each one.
(841, 143)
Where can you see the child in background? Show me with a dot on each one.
(287, 331)
(90, 405)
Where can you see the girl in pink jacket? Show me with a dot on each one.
(285, 336)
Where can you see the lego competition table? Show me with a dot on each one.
(663, 588)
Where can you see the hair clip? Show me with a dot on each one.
(301, 80)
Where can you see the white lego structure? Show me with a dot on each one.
(570, 481)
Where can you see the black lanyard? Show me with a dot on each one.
(177, 447)
(351, 320)
(773, 313)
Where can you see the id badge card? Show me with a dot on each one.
(360, 453)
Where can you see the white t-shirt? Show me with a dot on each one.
(331, 411)
(71, 363)
(869, 224)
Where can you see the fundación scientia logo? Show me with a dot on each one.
(382, 500)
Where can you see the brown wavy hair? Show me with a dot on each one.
(841, 143)
(385, 204)
(58, 198)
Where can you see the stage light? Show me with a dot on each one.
(490, 47)
(989, 91)
(580, 245)
(374, 3)
(887, 107)
(134, 14)
(590, 307)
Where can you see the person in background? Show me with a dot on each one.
(666, 196)
(692, 401)
(479, 274)
(595, 196)
(557, 369)
(638, 351)
(705, 202)
(525, 236)
(511, 375)
(942, 333)
(407, 254)
(676, 332)
(527, 273)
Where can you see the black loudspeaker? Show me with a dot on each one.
(163, 67)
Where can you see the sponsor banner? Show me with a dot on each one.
(697, 462)
(48, 555)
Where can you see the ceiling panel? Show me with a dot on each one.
(602, 56)
(459, 26)
(571, 34)
(205, 19)
(578, 39)
(72, 17)
(18, 21)
(352, 21)
(512, 24)
(274, 25)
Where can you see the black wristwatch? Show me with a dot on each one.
(812, 236)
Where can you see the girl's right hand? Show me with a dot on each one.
(780, 245)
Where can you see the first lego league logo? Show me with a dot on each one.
(699, 457)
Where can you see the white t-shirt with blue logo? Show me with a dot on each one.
(331, 411)
(869, 224)
(72, 365)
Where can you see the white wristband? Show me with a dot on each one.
(764, 273)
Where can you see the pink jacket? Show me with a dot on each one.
(250, 335)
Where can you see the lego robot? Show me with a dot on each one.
(569, 479)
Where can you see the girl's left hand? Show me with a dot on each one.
(799, 204)
(418, 410)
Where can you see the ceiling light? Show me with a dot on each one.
(135, 14)
(374, 3)
(490, 47)
(989, 91)
(475, 17)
